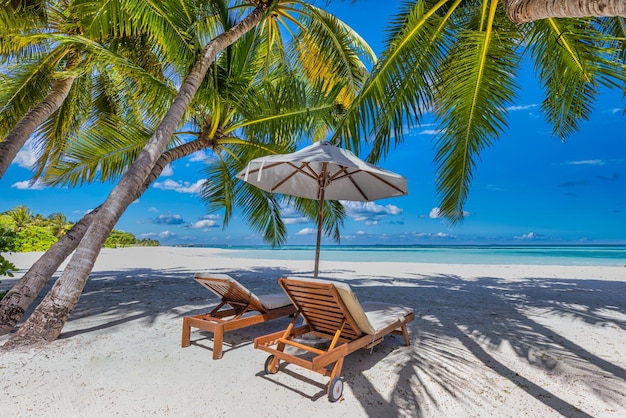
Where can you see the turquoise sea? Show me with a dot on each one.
(569, 255)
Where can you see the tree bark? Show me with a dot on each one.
(48, 319)
(27, 288)
(18, 136)
(523, 11)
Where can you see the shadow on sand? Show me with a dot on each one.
(458, 324)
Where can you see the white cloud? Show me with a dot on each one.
(369, 212)
(427, 235)
(201, 156)
(180, 186)
(435, 213)
(29, 185)
(168, 219)
(522, 107)
(306, 231)
(82, 212)
(431, 132)
(153, 209)
(291, 216)
(160, 235)
(586, 162)
(205, 223)
(168, 171)
(530, 235)
(26, 156)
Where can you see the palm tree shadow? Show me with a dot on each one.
(459, 322)
(460, 325)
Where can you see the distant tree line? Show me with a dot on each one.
(22, 231)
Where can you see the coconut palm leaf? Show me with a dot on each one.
(477, 82)
(329, 51)
(333, 215)
(223, 192)
(398, 91)
(573, 61)
(615, 28)
(459, 58)
(102, 152)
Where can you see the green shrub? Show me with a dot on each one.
(34, 238)
(120, 239)
(25, 231)
(6, 267)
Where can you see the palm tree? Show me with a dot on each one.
(46, 322)
(58, 223)
(523, 11)
(21, 217)
(460, 59)
(131, 30)
(56, 62)
(49, 317)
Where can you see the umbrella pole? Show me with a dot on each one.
(320, 219)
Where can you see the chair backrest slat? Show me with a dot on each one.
(231, 292)
(322, 307)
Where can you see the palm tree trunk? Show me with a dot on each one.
(27, 288)
(48, 319)
(18, 136)
(522, 11)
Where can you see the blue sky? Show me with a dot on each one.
(529, 188)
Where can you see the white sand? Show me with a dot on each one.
(505, 341)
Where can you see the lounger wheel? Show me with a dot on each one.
(267, 365)
(335, 389)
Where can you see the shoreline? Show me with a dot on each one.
(571, 255)
(488, 340)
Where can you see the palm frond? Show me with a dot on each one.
(398, 91)
(63, 123)
(102, 152)
(24, 86)
(260, 210)
(615, 28)
(286, 111)
(573, 61)
(478, 80)
(167, 24)
(333, 215)
(328, 50)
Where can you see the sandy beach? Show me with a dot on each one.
(487, 341)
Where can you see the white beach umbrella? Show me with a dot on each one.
(323, 171)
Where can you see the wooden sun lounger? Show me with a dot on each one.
(244, 309)
(330, 310)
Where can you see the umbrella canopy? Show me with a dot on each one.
(323, 171)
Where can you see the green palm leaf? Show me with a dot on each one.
(102, 152)
(573, 62)
(477, 81)
(398, 90)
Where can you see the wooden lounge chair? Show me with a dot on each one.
(244, 309)
(330, 310)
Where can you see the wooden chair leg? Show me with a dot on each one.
(405, 334)
(336, 372)
(186, 331)
(218, 338)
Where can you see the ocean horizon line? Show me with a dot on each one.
(292, 246)
(544, 254)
